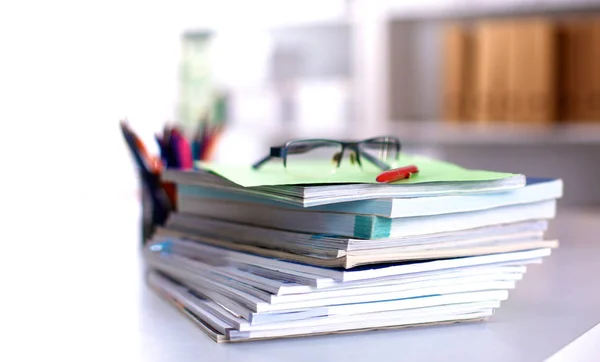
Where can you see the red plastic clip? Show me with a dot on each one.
(397, 174)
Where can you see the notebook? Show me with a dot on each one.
(365, 226)
(282, 284)
(252, 301)
(185, 268)
(315, 275)
(223, 325)
(348, 184)
(536, 189)
(326, 245)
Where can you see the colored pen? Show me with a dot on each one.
(397, 174)
(182, 149)
(215, 134)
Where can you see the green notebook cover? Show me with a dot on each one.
(273, 173)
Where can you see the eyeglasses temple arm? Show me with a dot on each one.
(261, 162)
(374, 160)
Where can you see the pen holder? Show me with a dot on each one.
(148, 223)
(157, 203)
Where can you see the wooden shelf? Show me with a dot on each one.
(448, 9)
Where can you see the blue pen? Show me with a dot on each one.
(197, 141)
(174, 150)
(195, 150)
(170, 156)
(162, 150)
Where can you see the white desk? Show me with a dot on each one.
(91, 304)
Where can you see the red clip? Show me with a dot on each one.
(397, 174)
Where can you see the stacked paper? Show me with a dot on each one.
(246, 258)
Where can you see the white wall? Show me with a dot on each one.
(70, 70)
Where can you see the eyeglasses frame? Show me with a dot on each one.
(354, 146)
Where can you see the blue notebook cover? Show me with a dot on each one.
(384, 207)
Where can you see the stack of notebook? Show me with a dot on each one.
(253, 255)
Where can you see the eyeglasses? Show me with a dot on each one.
(323, 155)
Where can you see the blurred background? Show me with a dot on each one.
(509, 85)
(505, 85)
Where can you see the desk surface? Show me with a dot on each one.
(90, 302)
